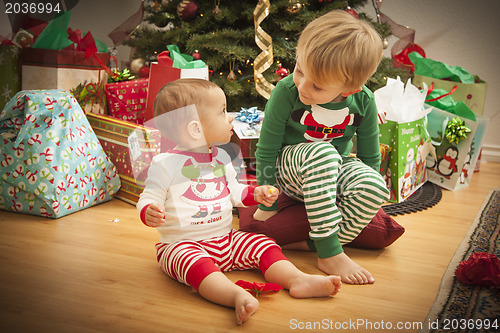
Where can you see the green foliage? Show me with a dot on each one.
(226, 40)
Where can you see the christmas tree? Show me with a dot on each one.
(223, 34)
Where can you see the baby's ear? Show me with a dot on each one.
(194, 129)
(345, 94)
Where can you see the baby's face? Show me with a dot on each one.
(310, 93)
(217, 124)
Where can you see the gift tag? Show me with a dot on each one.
(133, 144)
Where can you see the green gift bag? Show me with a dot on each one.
(10, 67)
(468, 88)
(403, 147)
(453, 166)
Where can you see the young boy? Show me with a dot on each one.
(189, 195)
(306, 139)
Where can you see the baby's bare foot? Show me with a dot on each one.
(244, 307)
(348, 270)
(308, 286)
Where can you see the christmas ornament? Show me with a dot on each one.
(352, 12)
(165, 3)
(136, 65)
(216, 10)
(187, 10)
(282, 72)
(264, 60)
(385, 43)
(144, 71)
(196, 55)
(294, 7)
(231, 76)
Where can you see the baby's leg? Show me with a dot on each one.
(217, 288)
(300, 284)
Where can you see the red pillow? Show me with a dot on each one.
(290, 225)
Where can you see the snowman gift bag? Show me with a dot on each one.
(404, 141)
(52, 163)
(457, 134)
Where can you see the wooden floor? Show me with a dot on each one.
(88, 273)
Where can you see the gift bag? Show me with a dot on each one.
(68, 61)
(466, 87)
(10, 67)
(404, 142)
(131, 148)
(52, 163)
(127, 100)
(457, 134)
(171, 65)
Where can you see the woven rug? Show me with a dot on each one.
(464, 308)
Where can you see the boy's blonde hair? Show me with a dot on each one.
(338, 47)
(187, 97)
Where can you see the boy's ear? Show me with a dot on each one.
(345, 94)
(195, 130)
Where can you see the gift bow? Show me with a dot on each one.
(456, 130)
(250, 116)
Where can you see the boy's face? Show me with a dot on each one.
(310, 93)
(217, 124)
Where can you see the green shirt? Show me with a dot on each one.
(288, 121)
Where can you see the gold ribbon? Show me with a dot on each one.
(264, 41)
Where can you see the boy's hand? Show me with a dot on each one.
(155, 216)
(266, 195)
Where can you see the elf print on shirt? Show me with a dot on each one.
(325, 124)
(207, 186)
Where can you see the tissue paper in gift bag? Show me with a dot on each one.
(52, 163)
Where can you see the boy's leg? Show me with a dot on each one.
(309, 172)
(361, 192)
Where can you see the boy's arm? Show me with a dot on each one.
(277, 111)
(368, 149)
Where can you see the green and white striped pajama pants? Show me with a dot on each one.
(341, 195)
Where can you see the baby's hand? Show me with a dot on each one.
(266, 195)
(155, 216)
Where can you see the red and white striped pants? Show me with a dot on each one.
(189, 262)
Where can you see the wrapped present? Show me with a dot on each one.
(404, 141)
(171, 65)
(10, 67)
(457, 134)
(52, 162)
(131, 148)
(127, 100)
(62, 59)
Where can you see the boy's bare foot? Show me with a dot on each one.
(348, 270)
(245, 306)
(308, 286)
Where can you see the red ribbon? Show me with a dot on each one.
(431, 88)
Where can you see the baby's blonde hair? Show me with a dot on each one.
(338, 47)
(187, 97)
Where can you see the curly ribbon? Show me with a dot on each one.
(264, 41)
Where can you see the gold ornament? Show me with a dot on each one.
(385, 43)
(264, 60)
(231, 76)
(294, 7)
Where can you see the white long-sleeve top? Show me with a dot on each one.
(197, 191)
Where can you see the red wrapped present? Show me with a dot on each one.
(131, 148)
(127, 100)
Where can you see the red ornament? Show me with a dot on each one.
(187, 10)
(352, 12)
(196, 55)
(144, 71)
(282, 72)
(256, 288)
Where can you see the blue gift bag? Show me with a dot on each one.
(51, 162)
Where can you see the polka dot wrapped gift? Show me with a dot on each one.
(52, 164)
